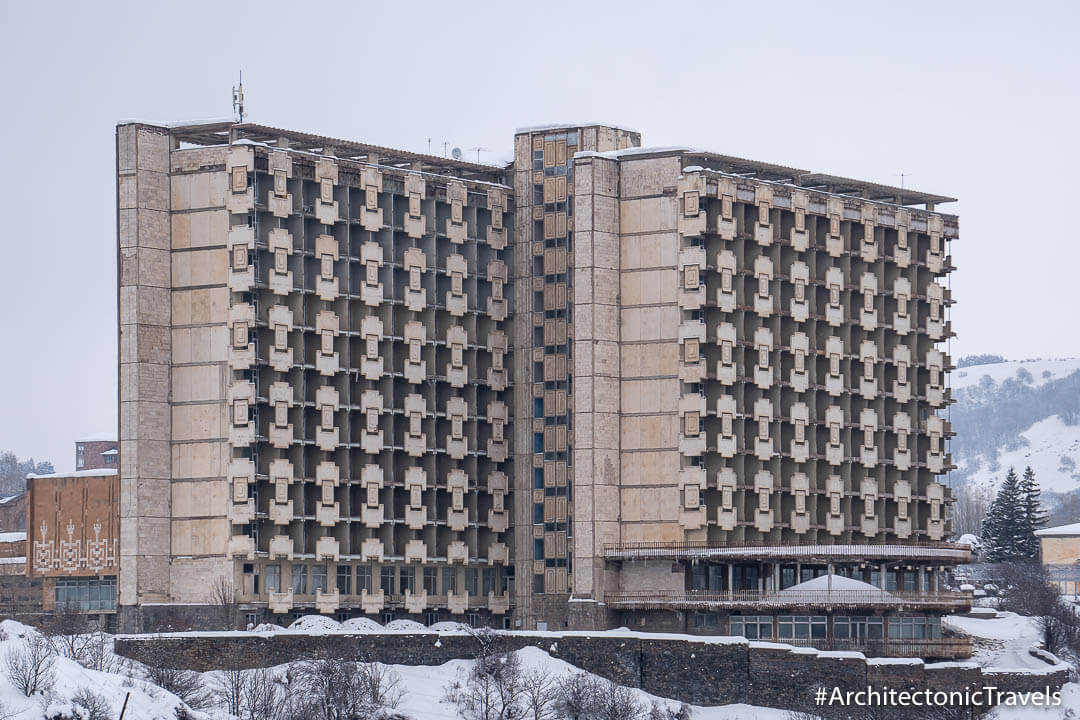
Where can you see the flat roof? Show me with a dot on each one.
(815, 181)
(77, 473)
(1060, 531)
(224, 133)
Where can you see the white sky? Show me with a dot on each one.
(974, 100)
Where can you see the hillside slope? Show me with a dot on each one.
(1015, 414)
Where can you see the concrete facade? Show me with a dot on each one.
(323, 393)
(508, 392)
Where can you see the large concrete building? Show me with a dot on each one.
(605, 384)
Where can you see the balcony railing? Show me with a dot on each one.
(761, 599)
(932, 551)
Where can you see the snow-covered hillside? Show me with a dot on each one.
(1040, 370)
(1016, 414)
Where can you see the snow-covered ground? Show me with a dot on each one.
(1041, 371)
(423, 685)
(1002, 643)
(1048, 440)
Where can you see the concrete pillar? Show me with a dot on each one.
(776, 577)
(884, 569)
(730, 577)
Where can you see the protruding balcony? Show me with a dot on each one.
(327, 548)
(281, 546)
(498, 604)
(457, 603)
(241, 546)
(280, 602)
(416, 603)
(372, 602)
(327, 602)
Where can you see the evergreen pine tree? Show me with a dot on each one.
(1032, 517)
(1002, 533)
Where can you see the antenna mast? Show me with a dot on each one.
(238, 98)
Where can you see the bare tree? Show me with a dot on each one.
(68, 630)
(222, 596)
(615, 702)
(539, 689)
(492, 690)
(263, 697)
(94, 705)
(340, 690)
(99, 655)
(184, 684)
(576, 697)
(30, 667)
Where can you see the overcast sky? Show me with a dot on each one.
(973, 100)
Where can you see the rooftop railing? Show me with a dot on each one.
(699, 550)
(767, 599)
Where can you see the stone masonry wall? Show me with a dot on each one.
(697, 672)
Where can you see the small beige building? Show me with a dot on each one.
(1059, 548)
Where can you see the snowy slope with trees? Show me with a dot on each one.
(1016, 414)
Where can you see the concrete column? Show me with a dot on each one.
(884, 570)
(731, 577)
(776, 577)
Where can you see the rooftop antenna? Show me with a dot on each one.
(478, 151)
(238, 98)
(445, 145)
(902, 177)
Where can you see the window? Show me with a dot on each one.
(914, 628)
(449, 580)
(704, 620)
(471, 581)
(363, 579)
(273, 578)
(318, 578)
(801, 627)
(344, 579)
(431, 577)
(488, 579)
(406, 580)
(299, 580)
(753, 627)
(86, 593)
(386, 577)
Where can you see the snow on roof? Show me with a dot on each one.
(8, 537)
(571, 126)
(77, 473)
(616, 154)
(9, 498)
(21, 560)
(1060, 531)
(833, 583)
(114, 451)
(98, 437)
